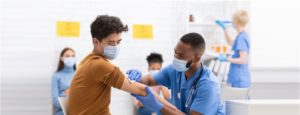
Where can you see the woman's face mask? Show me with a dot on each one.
(69, 61)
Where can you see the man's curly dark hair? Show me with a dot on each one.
(104, 25)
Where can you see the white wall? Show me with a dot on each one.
(29, 48)
(275, 34)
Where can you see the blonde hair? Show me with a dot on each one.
(241, 17)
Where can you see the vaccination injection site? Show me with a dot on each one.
(149, 57)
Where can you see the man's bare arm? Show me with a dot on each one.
(135, 87)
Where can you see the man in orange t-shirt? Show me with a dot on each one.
(90, 90)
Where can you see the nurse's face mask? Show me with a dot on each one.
(183, 57)
(109, 46)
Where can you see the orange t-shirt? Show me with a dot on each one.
(90, 89)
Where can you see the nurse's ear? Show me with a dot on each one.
(197, 57)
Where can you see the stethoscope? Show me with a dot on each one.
(192, 91)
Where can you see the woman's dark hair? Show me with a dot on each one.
(61, 64)
(104, 25)
(154, 58)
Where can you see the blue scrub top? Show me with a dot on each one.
(239, 75)
(206, 99)
(61, 81)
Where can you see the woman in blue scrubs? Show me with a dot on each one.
(239, 75)
(62, 78)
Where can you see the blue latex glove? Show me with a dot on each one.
(221, 24)
(222, 58)
(149, 101)
(135, 75)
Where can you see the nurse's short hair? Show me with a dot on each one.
(104, 25)
(241, 17)
(195, 40)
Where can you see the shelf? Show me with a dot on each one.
(201, 24)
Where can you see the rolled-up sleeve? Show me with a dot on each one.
(107, 73)
(242, 43)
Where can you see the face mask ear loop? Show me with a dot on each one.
(189, 64)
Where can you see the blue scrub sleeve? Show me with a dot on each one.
(242, 43)
(163, 77)
(55, 92)
(206, 100)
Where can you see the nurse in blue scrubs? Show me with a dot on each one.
(62, 78)
(239, 75)
(195, 90)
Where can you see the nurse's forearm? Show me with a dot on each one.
(237, 60)
(243, 59)
(148, 80)
(164, 102)
(168, 111)
(145, 80)
(165, 92)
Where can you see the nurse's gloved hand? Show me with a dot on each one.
(135, 75)
(221, 24)
(149, 101)
(222, 58)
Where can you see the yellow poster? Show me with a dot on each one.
(67, 29)
(142, 31)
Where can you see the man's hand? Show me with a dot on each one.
(134, 75)
(149, 101)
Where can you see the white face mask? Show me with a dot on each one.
(153, 72)
(179, 65)
(111, 52)
(69, 61)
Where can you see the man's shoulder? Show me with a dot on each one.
(92, 58)
(95, 62)
(208, 76)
